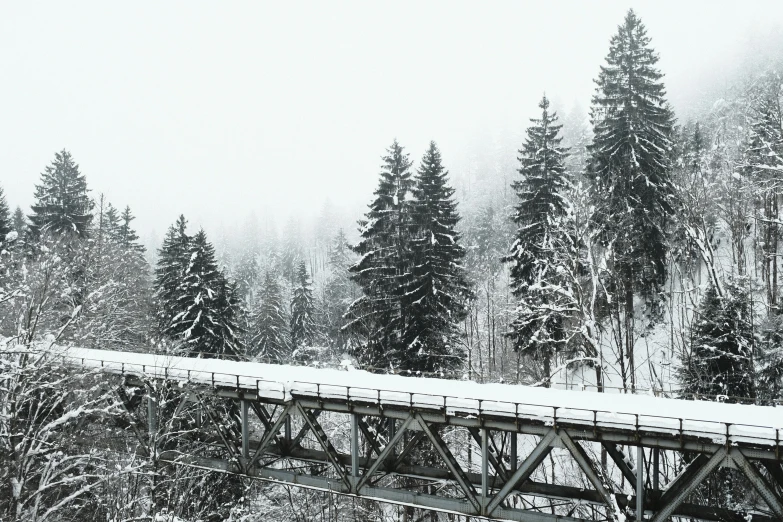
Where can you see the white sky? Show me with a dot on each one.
(217, 109)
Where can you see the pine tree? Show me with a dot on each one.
(719, 365)
(19, 222)
(303, 323)
(5, 217)
(61, 202)
(378, 317)
(173, 258)
(437, 289)
(540, 255)
(630, 167)
(270, 340)
(207, 307)
(126, 235)
(339, 290)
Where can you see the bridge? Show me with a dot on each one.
(406, 440)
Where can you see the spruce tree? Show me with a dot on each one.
(339, 290)
(61, 202)
(173, 258)
(303, 323)
(719, 365)
(378, 317)
(437, 289)
(630, 163)
(540, 255)
(19, 222)
(207, 309)
(270, 339)
(6, 224)
(126, 235)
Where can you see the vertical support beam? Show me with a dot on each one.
(484, 469)
(245, 419)
(512, 460)
(392, 432)
(639, 484)
(287, 433)
(152, 415)
(354, 450)
(656, 464)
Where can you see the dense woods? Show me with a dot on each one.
(620, 251)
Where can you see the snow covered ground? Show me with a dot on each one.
(743, 423)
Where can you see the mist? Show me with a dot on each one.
(233, 110)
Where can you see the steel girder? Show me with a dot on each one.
(381, 445)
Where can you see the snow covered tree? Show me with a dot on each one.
(542, 247)
(61, 202)
(128, 238)
(437, 287)
(339, 290)
(5, 216)
(303, 323)
(48, 469)
(117, 306)
(207, 308)
(378, 317)
(630, 164)
(173, 258)
(719, 365)
(19, 222)
(270, 339)
(764, 166)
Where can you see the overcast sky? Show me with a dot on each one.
(217, 109)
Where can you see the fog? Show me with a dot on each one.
(218, 110)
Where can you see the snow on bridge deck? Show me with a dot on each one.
(756, 425)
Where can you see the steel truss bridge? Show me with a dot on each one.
(367, 436)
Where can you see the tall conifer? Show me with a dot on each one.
(303, 325)
(379, 316)
(542, 249)
(630, 167)
(270, 339)
(437, 289)
(5, 217)
(61, 202)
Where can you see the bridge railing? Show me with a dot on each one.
(450, 405)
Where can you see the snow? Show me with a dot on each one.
(744, 423)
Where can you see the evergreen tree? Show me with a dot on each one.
(379, 317)
(719, 365)
(6, 224)
(207, 306)
(61, 202)
(173, 258)
(542, 248)
(303, 324)
(19, 222)
(270, 340)
(339, 290)
(437, 289)
(630, 169)
(126, 235)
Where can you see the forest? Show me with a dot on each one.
(621, 250)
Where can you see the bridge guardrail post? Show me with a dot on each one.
(484, 470)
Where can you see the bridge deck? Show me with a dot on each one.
(743, 424)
